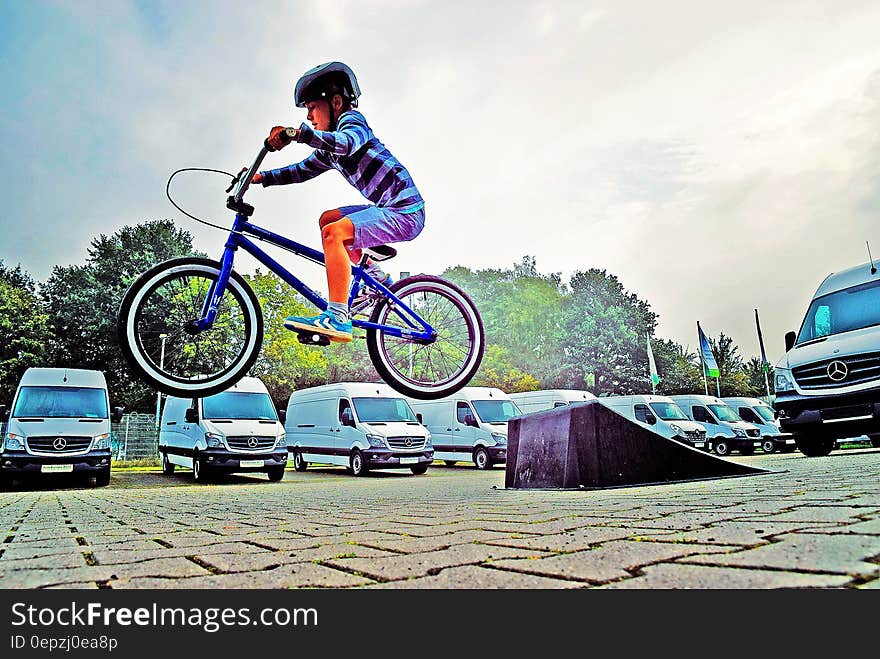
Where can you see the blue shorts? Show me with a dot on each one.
(374, 225)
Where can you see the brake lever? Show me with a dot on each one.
(236, 179)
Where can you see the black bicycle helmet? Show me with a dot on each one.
(324, 81)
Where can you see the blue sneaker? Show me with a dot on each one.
(323, 323)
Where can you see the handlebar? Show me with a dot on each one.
(245, 181)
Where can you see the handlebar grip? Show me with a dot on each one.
(291, 133)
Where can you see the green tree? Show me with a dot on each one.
(83, 302)
(678, 368)
(24, 329)
(498, 371)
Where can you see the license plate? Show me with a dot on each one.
(246, 464)
(789, 441)
(700, 444)
(757, 444)
(56, 469)
(409, 461)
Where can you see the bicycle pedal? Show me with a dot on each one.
(313, 339)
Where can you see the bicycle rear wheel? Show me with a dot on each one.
(428, 370)
(156, 336)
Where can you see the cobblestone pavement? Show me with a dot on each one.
(812, 523)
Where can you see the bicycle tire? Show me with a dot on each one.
(381, 345)
(135, 305)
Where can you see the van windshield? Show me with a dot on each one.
(668, 411)
(850, 309)
(61, 402)
(238, 405)
(495, 411)
(383, 410)
(765, 412)
(724, 413)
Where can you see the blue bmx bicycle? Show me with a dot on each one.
(192, 327)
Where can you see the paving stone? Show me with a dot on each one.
(261, 561)
(840, 514)
(472, 576)
(846, 554)
(745, 533)
(300, 575)
(413, 545)
(110, 557)
(99, 573)
(405, 566)
(670, 575)
(61, 561)
(575, 540)
(609, 561)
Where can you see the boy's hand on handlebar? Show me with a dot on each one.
(258, 178)
(278, 138)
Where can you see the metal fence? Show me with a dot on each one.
(135, 437)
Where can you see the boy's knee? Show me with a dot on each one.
(332, 233)
(329, 216)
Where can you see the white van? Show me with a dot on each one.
(660, 414)
(545, 399)
(725, 430)
(60, 423)
(470, 425)
(236, 430)
(759, 413)
(358, 425)
(828, 382)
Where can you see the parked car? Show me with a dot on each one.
(759, 413)
(359, 425)
(470, 425)
(725, 430)
(237, 430)
(660, 414)
(59, 424)
(828, 382)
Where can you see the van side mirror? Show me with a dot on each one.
(419, 417)
(790, 338)
(347, 417)
(3, 413)
(192, 415)
(117, 414)
(469, 420)
(282, 416)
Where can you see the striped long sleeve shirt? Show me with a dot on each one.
(360, 157)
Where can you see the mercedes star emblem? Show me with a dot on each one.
(408, 441)
(837, 371)
(60, 443)
(252, 442)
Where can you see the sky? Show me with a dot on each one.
(715, 157)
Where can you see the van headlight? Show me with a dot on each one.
(101, 441)
(281, 441)
(783, 380)
(676, 429)
(213, 440)
(739, 432)
(428, 439)
(499, 438)
(13, 442)
(376, 441)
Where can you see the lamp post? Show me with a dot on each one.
(161, 366)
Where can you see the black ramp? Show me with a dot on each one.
(587, 445)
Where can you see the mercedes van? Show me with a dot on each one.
(470, 425)
(359, 425)
(828, 382)
(759, 413)
(545, 399)
(59, 424)
(236, 430)
(725, 430)
(660, 414)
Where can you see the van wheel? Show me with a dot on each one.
(768, 446)
(721, 447)
(167, 466)
(481, 459)
(275, 474)
(450, 463)
(419, 469)
(200, 472)
(102, 478)
(358, 464)
(299, 462)
(815, 446)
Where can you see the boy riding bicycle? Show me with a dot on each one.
(343, 141)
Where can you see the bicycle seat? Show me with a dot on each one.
(380, 252)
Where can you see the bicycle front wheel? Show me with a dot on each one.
(428, 370)
(156, 333)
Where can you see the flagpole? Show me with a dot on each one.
(702, 363)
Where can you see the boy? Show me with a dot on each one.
(343, 141)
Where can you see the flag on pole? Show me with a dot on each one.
(652, 366)
(764, 363)
(709, 363)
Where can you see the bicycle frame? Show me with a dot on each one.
(419, 330)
